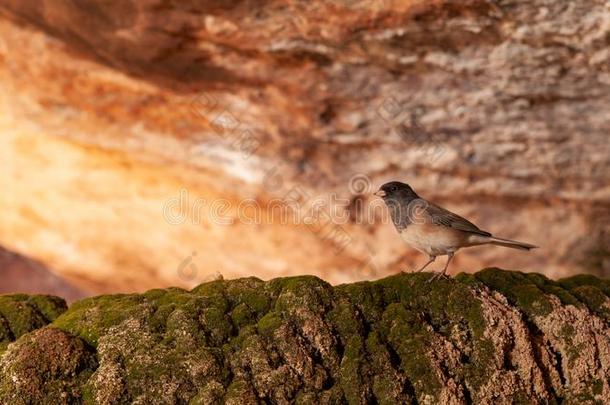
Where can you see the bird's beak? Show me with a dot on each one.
(380, 193)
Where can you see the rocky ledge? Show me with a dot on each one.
(493, 336)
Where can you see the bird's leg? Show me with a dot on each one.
(449, 257)
(430, 260)
(443, 273)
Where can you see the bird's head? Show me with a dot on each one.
(395, 190)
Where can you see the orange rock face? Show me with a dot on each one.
(152, 143)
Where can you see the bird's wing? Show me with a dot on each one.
(441, 216)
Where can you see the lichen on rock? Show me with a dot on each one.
(495, 336)
(47, 366)
(21, 313)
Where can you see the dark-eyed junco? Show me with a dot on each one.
(434, 230)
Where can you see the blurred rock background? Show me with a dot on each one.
(29, 276)
(110, 111)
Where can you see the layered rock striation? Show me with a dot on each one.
(496, 109)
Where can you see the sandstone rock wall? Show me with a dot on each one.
(498, 110)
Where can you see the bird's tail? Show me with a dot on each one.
(511, 243)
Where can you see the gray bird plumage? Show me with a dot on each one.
(432, 229)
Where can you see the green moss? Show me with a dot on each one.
(567, 333)
(22, 313)
(92, 317)
(6, 335)
(468, 279)
(520, 289)
(50, 306)
(586, 280)
(251, 292)
(351, 373)
(407, 335)
(594, 299)
(211, 394)
(296, 283)
(445, 300)
(269, 323)
(171, 297)
(306, 398)
(448, 304)
(218, 325)
(592, 291)
(529, 291)
(300, 292)
(294, 339)
(367, 297)
(344, 318)
(387, 389)
(239, 392)
(182, 329)
(241, 341)
(552, 287)
(242, 315)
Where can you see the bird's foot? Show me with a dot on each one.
(408, 271)
(437, 275)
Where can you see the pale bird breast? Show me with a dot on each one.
(438, 238)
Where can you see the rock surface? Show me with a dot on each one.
(21, 313)
(498, 110)
(491, 337)
(22, 275)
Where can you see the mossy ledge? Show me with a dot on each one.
(493, 336)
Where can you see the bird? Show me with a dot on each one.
(432, 229)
